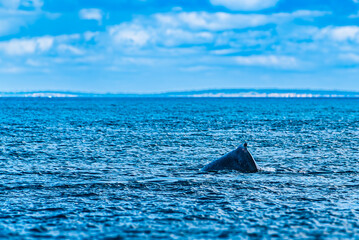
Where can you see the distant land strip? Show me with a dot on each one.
(212, 93)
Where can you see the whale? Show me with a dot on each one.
(239, 159)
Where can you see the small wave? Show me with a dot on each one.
(267, 169)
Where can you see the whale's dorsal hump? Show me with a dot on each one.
(239, 159)
(242, 147)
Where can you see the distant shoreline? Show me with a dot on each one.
(211, 93)
(174, 97)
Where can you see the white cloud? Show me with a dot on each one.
(199, 68)
(90, 35)
(15, 4)
(172, 37)
(220, 21)
(129, 35)
(34, 63)
(136, 61)
(238, 40)
(37, 4)
(201, 38)
(245, 5)
(343, 33)
(267, 61)
(71, 37)
(223, 51)
(199, 28)
(26, 46)
(44, 43)
(211, 21)
(65, 48)
(12, 18)
(41, 45)
(350, 57)
(303, 14)
(91, 14)
(136, 35)
(12, 69)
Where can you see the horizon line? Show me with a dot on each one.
(177, 91)
(210, 93)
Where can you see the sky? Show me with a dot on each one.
(142, 46)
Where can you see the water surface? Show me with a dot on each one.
(101, 168)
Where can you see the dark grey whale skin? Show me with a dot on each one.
(239, 159)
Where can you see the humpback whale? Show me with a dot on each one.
(239, 159)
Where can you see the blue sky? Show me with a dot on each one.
(157, 45)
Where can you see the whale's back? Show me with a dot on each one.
(246, 161)
(239, 159)
(226, 162)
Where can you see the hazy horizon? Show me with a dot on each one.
(184, 90)
(217, 93)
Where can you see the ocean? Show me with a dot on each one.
(128, 168)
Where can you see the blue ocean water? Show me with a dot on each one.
(117, 168)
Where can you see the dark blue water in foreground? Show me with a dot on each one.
(128, 168)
